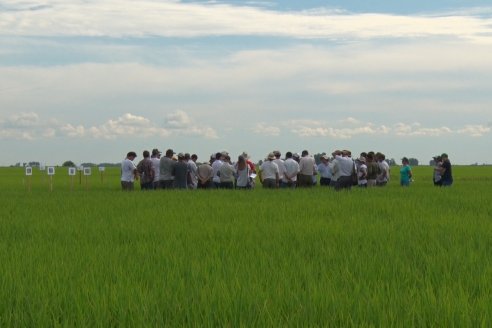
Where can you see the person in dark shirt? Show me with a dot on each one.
(446, 171)
(180, 172)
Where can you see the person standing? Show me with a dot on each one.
(306, 170)
(128, 172)
(242, 174)
(205, 175)
(446, 171)
(180, 172)
(146, 171)
(280, 164)
(372, 169)
(384, 175)
(269, 173)
(405, 172)
(362, 172)
(219, 160)
(437, 171)
(156, 165)
(324, 171)
(291, 171)
(166, 170)
(226, 174)
(346, 168)
(192, 168)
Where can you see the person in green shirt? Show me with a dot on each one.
(405, 172)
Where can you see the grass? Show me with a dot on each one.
(417, 256)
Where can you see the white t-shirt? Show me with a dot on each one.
(291, 169)
(324, 170)
(215, 167)
(307, 165)
(156, 165)
(281, 167)
(269, 170)
(384, 176)
(345, 166)
(362, 172)
(127, 169)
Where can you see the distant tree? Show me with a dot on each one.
(68, 164)
(33, 164)
(88, 164)
(413, 161)
(391, 162)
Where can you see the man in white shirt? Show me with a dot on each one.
(219, 160)
(346, 168)
(383, 177)
(307, 168)
(156, 164)
(192, 168)
(324, 171)
(128, 171)
(280, 164)
(291, 171)
(269, 173)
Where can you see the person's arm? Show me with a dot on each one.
(410, 174)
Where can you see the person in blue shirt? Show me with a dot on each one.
(405, 172)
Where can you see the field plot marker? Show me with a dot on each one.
(87, 173)
(101, 171)
(80, 169)
(51, 173)
(29, 177)
(71, 174)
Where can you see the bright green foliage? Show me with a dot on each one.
(393, 256)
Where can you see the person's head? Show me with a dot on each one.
(304, 153)
(296, 157)
(288, 154)
(181, 157)
(362, 160)
(324, 159)
(218, 156)
(227, 158)
(170, 153)
(444, 157)
(363, 154)
(346, 153)
(156, 153)
(146, 154)
(277, 154)
(187, 156)
(245, 155)
(336, 153)
(370, 157)
(131, 155)
(405, 161)
(241, 159)
(194, 157)
(271, 156)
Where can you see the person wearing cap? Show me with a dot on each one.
(146, 172)
(306, 170)
(128, 171)
(324, 171)
(405, 172)
(362, 172)
(269, 172)
(166, 170)
(156, 164)
(446, 171)
(345, 169)
(181, 172)
(437, 179)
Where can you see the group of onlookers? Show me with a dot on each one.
(340, 171)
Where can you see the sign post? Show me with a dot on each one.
(51, 173)
(29, 176)
(87, 173)
(101, 172)
(71, 174)
(80, 169)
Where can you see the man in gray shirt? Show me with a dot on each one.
(181, 172)
(166, 170)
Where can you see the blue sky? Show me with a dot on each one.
(92, 80)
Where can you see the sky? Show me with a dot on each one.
(90, 80)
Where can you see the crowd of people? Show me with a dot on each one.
(340, 171)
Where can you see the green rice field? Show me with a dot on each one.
(90, 255)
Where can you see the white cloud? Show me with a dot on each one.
(351, 127)
(119, 18)
(29, 126)
(264, 129)
(475, 130)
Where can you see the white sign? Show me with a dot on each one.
(87, 171)
(101, 168)
(71, 171)
(80, 168)
(51, 170)
(28, 170)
